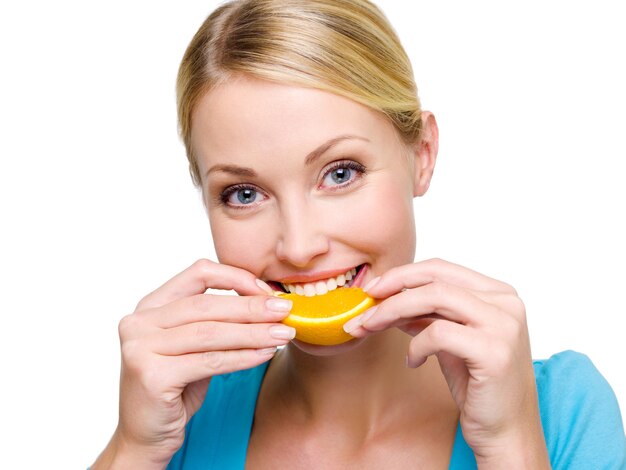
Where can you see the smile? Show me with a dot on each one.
(322, 286)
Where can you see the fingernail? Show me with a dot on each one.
(371, 284)
(414, 364)
(276, 304)
(368, 314)
(282, 332)
(267, 351)
(356, 322)
(352, 324)
(264, 286)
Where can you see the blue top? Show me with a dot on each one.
(580, 415)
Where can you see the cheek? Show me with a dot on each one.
(380, 221)
(241, 243)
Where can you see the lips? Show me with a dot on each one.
(322, 286)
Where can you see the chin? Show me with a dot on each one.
(317, 350)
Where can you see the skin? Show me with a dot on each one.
(296, 220)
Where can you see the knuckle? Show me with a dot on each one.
(435, 263)
(518, 307)
(508, 288)
(143, 303)
(214, 360)
(206, 332)
(204, 266)
(438, 290)
(512, 324)
(437, 331)
(127, 325)
(255, 305)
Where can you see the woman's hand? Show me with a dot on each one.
(476, 326)
(175, 341)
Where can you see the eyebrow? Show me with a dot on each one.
(319, 151)
(309, 159)
(233, 170)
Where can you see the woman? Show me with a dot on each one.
(305, 134)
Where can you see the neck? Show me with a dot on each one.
(364, 390)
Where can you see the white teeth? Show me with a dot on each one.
(309, 290)
(321, 287)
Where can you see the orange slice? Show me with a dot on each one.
(320, 319)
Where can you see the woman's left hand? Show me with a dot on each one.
(476, 326)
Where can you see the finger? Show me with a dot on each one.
(199, 277)
(506, 303)
(190, 368)
(445, 336)
(219, 336)
(418, 274)
(226, 308)
(448, 301)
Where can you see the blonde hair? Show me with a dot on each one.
(346, 47)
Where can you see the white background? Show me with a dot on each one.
(98, 209)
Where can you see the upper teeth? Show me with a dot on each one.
(321, 287)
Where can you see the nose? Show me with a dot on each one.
(302, 237)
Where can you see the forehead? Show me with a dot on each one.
(249, 118)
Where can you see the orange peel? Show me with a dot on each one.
(319, 319)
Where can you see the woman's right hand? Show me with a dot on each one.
(175, 341)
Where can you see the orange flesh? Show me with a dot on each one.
(319, 319)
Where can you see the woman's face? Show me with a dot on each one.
(303, 186)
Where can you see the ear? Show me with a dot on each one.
(425, 154)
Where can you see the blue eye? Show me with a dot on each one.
(240, 196)
(343, 173)
(246, 196)
(340, 175)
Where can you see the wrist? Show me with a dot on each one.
(121, 455)
(516, 453)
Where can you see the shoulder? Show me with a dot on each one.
(570, 380)
(580, 413)
(570, 373)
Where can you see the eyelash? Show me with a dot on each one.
(226, 193)
(352, 165)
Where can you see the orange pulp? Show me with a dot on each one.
(319, 319)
